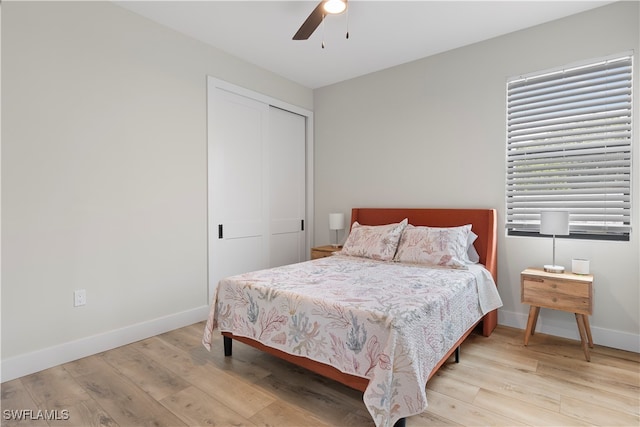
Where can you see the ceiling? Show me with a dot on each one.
(381, 33)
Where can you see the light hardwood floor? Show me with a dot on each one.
(171, 380)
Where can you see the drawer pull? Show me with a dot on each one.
(535, 279)
(554, 299)
(554, 285)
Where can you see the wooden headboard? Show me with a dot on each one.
(484, 224)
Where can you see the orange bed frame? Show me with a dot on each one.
(484, 223)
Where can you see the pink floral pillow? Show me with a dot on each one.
(445, 247)
(374, 241)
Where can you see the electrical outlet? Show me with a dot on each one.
(79, 297)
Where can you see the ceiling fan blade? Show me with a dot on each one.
(310, 24)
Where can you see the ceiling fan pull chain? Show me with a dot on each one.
(347, 24)
(323, 32)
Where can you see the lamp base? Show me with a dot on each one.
(554, 268)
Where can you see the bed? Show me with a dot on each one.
(376, 320)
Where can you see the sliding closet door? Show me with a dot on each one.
(238, 185)
(287, 187)
(257, 185)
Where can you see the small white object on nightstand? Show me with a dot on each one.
(580, 266)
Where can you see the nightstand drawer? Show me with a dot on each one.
(573, 296)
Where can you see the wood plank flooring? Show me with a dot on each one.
(171, 380)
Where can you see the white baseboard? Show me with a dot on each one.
(569, 329)
(25, 364)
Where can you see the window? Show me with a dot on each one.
(569, 147)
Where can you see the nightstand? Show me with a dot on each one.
(323, 251)
(560, 291)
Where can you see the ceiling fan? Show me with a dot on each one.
(312, 22)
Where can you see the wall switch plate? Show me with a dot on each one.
(79, 297)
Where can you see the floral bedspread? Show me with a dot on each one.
(385, 321)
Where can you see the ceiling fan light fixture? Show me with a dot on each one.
(335, 6)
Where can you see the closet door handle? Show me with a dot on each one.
(220, 231)
(302, 224)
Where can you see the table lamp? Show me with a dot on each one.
(336, 222)
(555, 223)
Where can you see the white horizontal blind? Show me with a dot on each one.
(569, 147)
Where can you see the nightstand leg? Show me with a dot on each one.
(531, 323)
(583, 335)
(588, 329)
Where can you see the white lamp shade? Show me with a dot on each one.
(336, 221)
(555, 223)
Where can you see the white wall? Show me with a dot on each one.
(431, 133)
(104, 177)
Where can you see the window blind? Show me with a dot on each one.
(569, 147)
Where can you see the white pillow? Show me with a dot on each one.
(472, 253)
